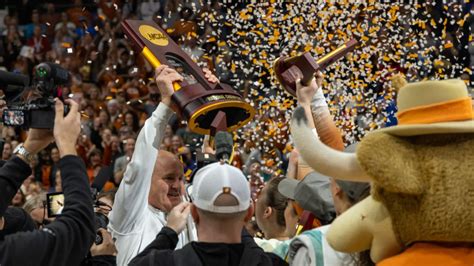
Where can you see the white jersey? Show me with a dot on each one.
(133, 222)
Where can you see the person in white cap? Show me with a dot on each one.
(220, 209)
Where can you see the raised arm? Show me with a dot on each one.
(326, 160)
(328, 133)
(312, 99)
(131, 199)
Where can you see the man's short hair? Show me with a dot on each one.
(224, 200)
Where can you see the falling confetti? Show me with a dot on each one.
(392, 38)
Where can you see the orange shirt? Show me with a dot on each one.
(421, 254)
(45, 173)
(108, 186)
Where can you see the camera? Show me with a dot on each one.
(32, 105)
(55, 205)
(101, 221)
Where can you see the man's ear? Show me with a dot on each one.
(2, 223)
(195, 214)
(249, 214)
(338, 191)
(268, 212)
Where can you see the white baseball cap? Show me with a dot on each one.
(217, 179)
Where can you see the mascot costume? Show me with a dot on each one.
(421, 208)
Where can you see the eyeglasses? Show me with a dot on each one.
(103, 206)
(44, 221)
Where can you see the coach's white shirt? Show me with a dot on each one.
(133, 222)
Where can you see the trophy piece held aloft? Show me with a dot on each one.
(289, 69)
(195, 99)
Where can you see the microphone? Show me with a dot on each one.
(7, 78)
(224, 145)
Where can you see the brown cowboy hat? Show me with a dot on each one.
(433, 107)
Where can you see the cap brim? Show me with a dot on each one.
(287, 187)
(428, 129)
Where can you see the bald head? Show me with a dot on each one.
(166, 157)
(167, 185)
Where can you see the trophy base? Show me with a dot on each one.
(279, 67)
(200, 107)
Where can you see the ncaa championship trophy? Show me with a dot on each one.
(207, 107)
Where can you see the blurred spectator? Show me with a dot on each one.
(110, 8)
(78, 13)
(125, 132)
(65, 24)
(121, 163)
(94, 164)
(176, 143)
(54, 166)
(186, 157)
(113, 108)
(12, 44)
(112, 150)
(58, 185)
(30, 29)
(131, 120)
(166, 144)
(150, 8)
(36, 208)
(39, 43)
(104, 119)
(7, 151)
(50, 19)
(125, 61)
(84, 27)
(19, 199)
(63, 40)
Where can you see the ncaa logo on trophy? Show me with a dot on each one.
(207, 107)
(153, 35)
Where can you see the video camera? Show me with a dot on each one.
(31, 105)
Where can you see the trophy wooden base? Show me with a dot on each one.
(200, 106)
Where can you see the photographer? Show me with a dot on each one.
(68, 239)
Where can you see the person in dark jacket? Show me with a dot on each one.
(67, 240)
(220, 209)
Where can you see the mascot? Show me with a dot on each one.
(421, 208)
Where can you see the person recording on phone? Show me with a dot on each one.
(66, 240)
(153, 181)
